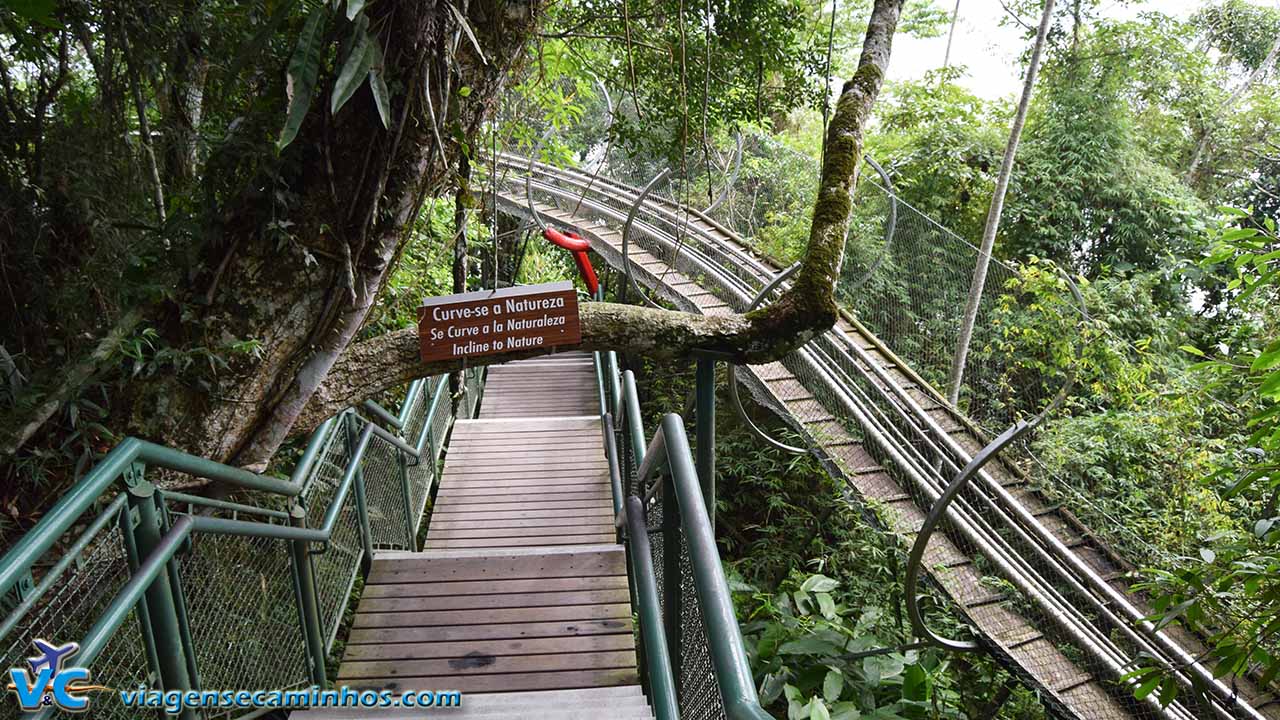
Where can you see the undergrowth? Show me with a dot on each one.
(817, 585)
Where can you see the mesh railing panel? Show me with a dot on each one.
(385, 491)
(695, 676)
(239, 592)
(245, 634)
(68, 611)
(914, 302)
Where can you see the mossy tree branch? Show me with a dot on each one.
(807, 308)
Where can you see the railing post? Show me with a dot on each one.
(308, 604)
(409, 509)
(705, 421)
(162, 613)
(672, 582)
(362, 505)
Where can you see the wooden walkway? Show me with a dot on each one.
(520, 597)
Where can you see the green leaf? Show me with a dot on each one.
(832, 685)
(1270, 387)
(1266, 361)
(1191, 350)
(304, 69)
(808, 645)
(826, 605)
(466, 28)
(1148, 686)
(818, 710)
(378, 84)
(354, 70)
(40, 11)
(915, 683)
(1239, 234)
(819, 583)
(353, 8)
(846, 711)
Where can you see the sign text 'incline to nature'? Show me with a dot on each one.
(495, 321)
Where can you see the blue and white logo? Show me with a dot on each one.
(51, 682)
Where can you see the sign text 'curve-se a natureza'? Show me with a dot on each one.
(486, 322)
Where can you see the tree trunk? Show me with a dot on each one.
(951, 34)
(1202, 144)
(358, 188)
(804, 310)
(993, 213)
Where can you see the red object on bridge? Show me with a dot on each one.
(578, 247)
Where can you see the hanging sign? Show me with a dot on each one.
(487, 322)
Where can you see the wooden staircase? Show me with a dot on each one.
(520, 598)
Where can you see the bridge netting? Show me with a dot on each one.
(910, 295)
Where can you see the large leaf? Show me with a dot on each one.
(354, 70)
(353, 8)
(304, 69)
(466, 28)
(1271, 386)
(378, 84)
(819, 583)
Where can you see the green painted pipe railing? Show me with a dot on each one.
(664, 469)
(157, 530)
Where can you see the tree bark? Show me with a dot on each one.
(804, 310)
(994, 212)
(1202, 144)
(355, 189)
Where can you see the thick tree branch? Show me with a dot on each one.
(804, 310)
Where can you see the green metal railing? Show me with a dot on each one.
(174, 591)
(693, 662)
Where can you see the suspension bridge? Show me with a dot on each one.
(567, 566)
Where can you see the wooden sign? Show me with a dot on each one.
(487, 322)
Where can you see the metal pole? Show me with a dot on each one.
(705, 421)
(362, 507)
(409, 509)
(166, 628)
(308, 605)
(672, 585)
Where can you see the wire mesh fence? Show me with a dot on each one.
(689, 647)
(239, 593)
(70, 609)
(1039, 587)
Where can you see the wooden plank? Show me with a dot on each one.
(468, 531)
(568, 490)
(540, 541)
(451, 618)
(522, 485)
(593, 486)
(507, 682)
(552, 493)
(481, 664)
(498, 565)
(515, 523)
(579, 515)
(510, 600)
(497, 586)
(523, 646)
(493, 631)
(492, 473)
(516, 464)
(451, 506)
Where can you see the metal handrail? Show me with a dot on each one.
(668, 455)
(152, 548)
(1018, 514)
